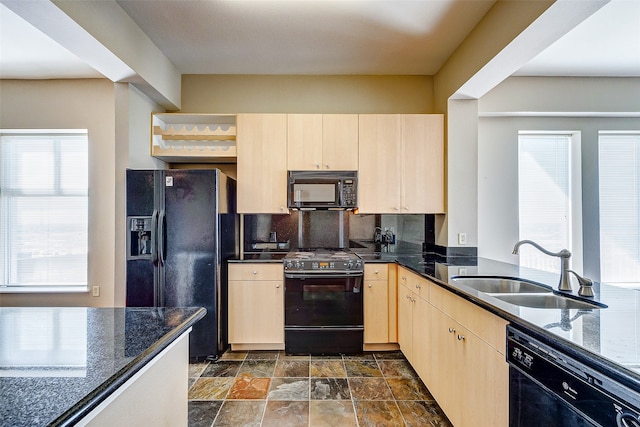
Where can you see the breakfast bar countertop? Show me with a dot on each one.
(59, 363)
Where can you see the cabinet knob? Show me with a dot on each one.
(317, 165)
(375, 272)
(369, 284)
(451, 330)
(327, 166)
(404, 278)
(395, 208)
(277, 286)
(255, 272)
(281, 208)
(406, 208)
(418, 286)
(460, 337)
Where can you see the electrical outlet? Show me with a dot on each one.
(462, 238)
(95, 291)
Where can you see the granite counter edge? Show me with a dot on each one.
(84, 406)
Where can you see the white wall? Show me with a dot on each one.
(532, 103)
(133, 140)
(74, 104)
(118, 117)
(306, 94)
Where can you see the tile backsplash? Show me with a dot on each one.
(329, 229)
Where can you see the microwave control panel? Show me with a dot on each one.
(349, 193)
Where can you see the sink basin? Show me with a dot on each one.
(500, 285)
(548, 300)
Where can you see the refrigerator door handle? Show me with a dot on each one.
(162, 219)
(154, 237)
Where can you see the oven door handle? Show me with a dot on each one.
(322, 276)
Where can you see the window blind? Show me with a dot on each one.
(43, 209)
(619, 175)
(544, 193)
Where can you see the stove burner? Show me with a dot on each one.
(303, 255)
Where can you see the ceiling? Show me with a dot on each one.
(370, 37)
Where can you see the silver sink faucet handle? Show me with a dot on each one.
(564, 255)
(586, 285)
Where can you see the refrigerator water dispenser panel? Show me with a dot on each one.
(139, 237)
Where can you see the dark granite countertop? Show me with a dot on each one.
(608, 338)
(265, 256)
(57, 364)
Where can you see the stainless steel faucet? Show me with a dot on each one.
(564, 255)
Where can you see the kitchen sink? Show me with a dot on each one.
(500, 285)
(548, 300)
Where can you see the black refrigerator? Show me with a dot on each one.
(181, 230)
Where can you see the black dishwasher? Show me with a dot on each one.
(547, 387)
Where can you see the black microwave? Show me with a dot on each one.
(310, 190)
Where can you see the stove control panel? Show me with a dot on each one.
(323, 265)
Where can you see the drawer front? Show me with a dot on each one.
(256, 271)
(415, 283)
(376, 271)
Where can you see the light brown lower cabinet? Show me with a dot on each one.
(380, 327)
(256, 306)
(376, 304)
(413, 320)
(457, 349)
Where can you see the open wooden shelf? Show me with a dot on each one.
(178, 137)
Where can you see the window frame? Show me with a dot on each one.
(56, 191)
(635, 138)
(575, 244)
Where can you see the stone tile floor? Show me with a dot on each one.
(270, 388)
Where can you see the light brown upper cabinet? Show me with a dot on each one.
(322, 142)
(262, 163)
(401, 163)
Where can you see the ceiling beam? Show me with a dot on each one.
(510, 35)
(105, 37)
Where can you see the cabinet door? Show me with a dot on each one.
(304, 142)
(485, 375)
(422, 338)
(262, 163)
(376, 315)
(379, 163)
(340, 141)
(256, 312)
(444, 382)
(405, 322)
(422, 163)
